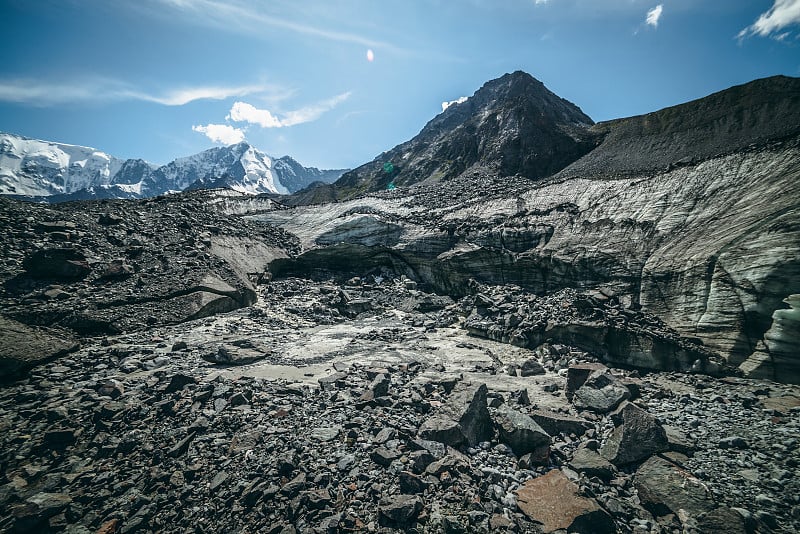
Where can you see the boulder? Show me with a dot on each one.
(64, 264)
(399, 510)
(664, 487)
(638, 436)
(601, 392)
(22, 347)
(464, 418)
(592, 464)
(577, 375)
(555, 502)
(555, 423)
(519, 431)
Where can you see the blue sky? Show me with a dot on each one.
(160, 79)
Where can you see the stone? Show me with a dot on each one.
(241, 352)
(519, 431)
(555, 502)
(325, 433)
(664, 487)
(463, 419)
(383, 456)
(399, 510)
(178, 381)
(63, 264)
(554, 423)
(411, 483)
(601, 392)
(531, 367)
(577, 375)
(442, 429)
(592, 464)
(637, 437)
(23, 346)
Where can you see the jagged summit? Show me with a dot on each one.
(512, 124)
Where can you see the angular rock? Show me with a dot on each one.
(664, 487)
(399, 510)
(464, 418)
(22, 347)
(555, 423)
(601, 392)
(63, 264)
(519, 431)
(592, 464)
(577, 375)
(555, 502)
(638, 436)
(240, 352)
(531, 367)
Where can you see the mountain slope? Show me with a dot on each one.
(749, 114)
(57, 172)
(513, 125)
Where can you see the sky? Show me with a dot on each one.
(335, 84)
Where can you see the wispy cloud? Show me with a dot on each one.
(47, 93)
(252, 18)
(221, 133)
(654, 15)
(244, 112)
(781, 15)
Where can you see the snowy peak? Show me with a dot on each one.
(37, 168)
(59, 172)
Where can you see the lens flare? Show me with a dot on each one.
(370, 55)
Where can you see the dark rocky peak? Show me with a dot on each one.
(515, 91)
(513, 125)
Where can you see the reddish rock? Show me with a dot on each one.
(555, 502)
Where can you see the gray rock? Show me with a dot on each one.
(638, 436)
(399, 510)
(592, 464)
(531, 367)
(601, 392)
(664, 487)
(519, 431)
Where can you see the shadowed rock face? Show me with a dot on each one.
(690, 213)
(514, 122)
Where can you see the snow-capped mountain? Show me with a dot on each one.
(41, 168)
(57, 172)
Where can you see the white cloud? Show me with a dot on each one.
(654, 15)
(95, 89)
(540, 2)
(459, 100)
(782, 14)
(221, 133)
(244, 112)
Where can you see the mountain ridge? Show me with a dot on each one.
(54, 172)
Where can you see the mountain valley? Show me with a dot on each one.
(519, 320)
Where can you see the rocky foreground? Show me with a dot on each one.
(369, 407)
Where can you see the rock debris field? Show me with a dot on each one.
(370, 407)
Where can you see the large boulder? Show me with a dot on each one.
(519, 431)
(22, 347)
(62, 264)
(601, 392)
(664, 487)
(556, 503)
(464, 418)
(637, 437)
